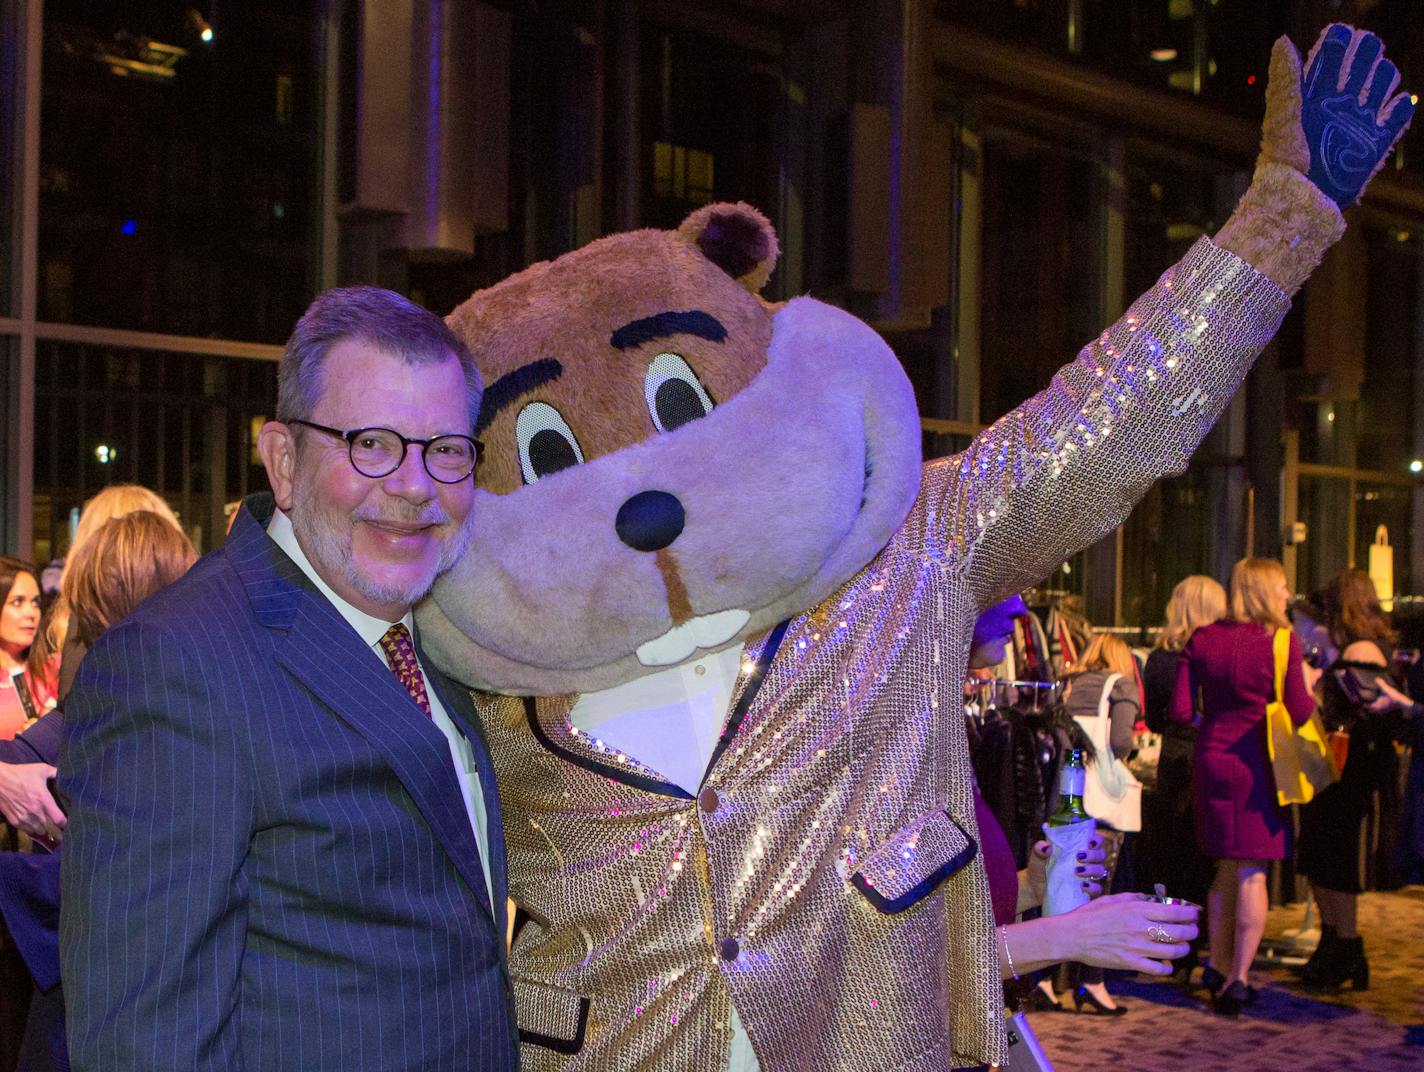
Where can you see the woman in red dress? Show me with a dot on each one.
(1238, 821)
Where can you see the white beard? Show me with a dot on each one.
(327, 539)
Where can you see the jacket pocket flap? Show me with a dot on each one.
(550, 1016)
(907, 868)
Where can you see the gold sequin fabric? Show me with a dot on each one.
(778, 886)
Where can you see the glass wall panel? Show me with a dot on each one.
(179, 160)
(1389, 505)
(1391, 348)
(10, 458)
(709, 114)
(1325, 508)
(180, 424)
(1217, 51)
(1042, 264)
(10, 103)
(1177, 528)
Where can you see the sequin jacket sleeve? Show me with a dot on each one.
(1068, 465)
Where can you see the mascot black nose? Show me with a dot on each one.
(650, 520)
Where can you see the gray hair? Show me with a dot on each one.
(380, 318)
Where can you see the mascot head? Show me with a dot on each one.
(671, 464)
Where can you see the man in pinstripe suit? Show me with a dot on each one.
(284, 848)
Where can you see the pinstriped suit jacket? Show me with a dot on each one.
(268, 863)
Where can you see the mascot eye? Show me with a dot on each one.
(546, 442)
(675, 395)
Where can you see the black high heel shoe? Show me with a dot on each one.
(1232, 1000)
(1083, 995)
(1038, 1001)
(1212, 980)
(1324, 954)
(1346, 963)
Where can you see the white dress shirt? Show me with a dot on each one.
(370, 630)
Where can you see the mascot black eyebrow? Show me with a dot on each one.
(717, 611)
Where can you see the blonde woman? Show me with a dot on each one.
(1105, 656)
(116, 500)
(1230, 665)
(1168, 852)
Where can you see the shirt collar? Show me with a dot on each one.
(369, 628)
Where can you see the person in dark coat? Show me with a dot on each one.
(124, 562)
(1231, 666)
(1334, 852)
(1410, 850)
(1168, 852)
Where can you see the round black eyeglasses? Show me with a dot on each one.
(378, 452)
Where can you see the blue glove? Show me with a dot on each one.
(1348, 140)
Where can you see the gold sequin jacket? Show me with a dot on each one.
(826, 878)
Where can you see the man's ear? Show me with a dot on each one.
(277, 445)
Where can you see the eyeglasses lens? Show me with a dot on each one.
(378, 452)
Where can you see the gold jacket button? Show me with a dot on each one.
(708, 800)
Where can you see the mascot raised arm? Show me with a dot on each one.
(717, 611)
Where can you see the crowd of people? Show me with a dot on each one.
(1190, 716)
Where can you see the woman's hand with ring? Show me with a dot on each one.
(1129, 931)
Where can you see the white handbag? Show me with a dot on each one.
(1111, 793)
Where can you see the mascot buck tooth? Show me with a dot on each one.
(717, 612)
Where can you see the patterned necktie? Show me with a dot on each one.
(401, 654)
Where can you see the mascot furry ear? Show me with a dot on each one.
(672, 464)
(737, 239)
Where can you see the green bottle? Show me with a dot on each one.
(1070, 791)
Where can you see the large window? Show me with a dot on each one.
(709, 115)
(1392, 348)
(182, 424)
(1042, 258)
(1183, 523)
(179, 166)
(10, 104)
(1213, 49)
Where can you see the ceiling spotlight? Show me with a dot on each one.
(200, 26)
(1163, 55)
(104, 454)
(1416, 466)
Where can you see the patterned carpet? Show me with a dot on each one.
(1289, 1030)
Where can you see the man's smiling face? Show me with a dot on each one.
(380, 543)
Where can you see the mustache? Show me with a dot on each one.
(404, 514)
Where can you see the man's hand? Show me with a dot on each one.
(27, 803)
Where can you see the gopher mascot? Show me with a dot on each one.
(717, 612)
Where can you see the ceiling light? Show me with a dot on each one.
(1163, 55)
(200, 26)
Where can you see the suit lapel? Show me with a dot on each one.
(462, 712)
(323, 652)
